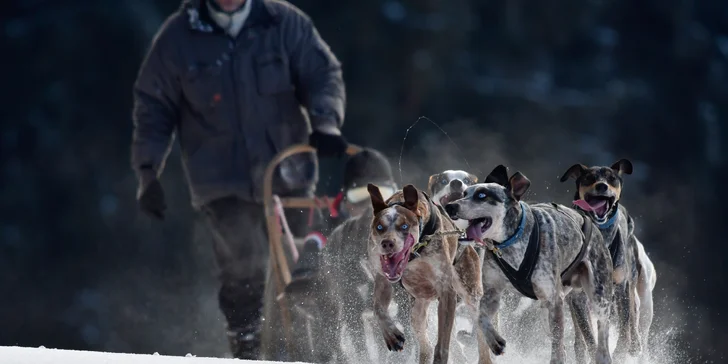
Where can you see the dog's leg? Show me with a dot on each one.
(555, 307)
(488, 308)
(603, 356)
(445, 322)
(621, 297)
(419, 326)
(635, 341)
(470, 288)
(583, 336)
(645, 310)
(483, 349)
(402, 304)
(597, 283)
(382, 298)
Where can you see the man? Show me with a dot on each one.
(231, 78)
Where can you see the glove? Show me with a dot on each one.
(328, 144)
(151, 195)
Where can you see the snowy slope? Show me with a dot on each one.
(18, 355)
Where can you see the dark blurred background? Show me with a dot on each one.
(537, 85)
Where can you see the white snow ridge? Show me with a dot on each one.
(18, 355)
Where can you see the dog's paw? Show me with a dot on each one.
(496, 343)
(393, 338)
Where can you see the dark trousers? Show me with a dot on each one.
(240, 243)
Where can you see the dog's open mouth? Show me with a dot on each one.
(393, 264)
(478, 227)
(450, 197)
(598, 205)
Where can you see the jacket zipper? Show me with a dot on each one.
(235, 74)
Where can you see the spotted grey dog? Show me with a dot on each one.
(553, 247)
(598, 193)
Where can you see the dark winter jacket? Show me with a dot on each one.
(233, 103)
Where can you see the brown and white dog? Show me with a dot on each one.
(411, 242)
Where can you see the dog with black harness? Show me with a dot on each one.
(598, 193)
(554, 248)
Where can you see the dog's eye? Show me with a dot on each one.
(466, 181)
(611, 179)
(481, 195)
(444, 181)
(589, 179)
(380, 227)
(405, 226)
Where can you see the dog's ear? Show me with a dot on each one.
(574, 172)
(518, 185)
(377, 199)
(431, 182)
(622, 166)
(411, 197)
(499, 175)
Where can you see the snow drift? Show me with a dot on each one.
(20, 355)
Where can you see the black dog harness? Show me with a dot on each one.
(615, 247)
(521, 278)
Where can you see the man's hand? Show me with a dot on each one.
(329, 143)
(151, 195)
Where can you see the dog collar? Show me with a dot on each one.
(510, 241)
(607, 224)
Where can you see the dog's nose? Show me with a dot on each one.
(451, 209)
(456, 183)
(601, 187)
(388, 246)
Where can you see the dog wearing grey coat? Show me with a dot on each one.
(551, 245)
(598, 193)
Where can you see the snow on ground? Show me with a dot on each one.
(524, 325)
(19, 355)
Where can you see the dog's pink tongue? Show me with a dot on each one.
(473, 232)
(583, 205)
(392, 265)
(587, 207)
